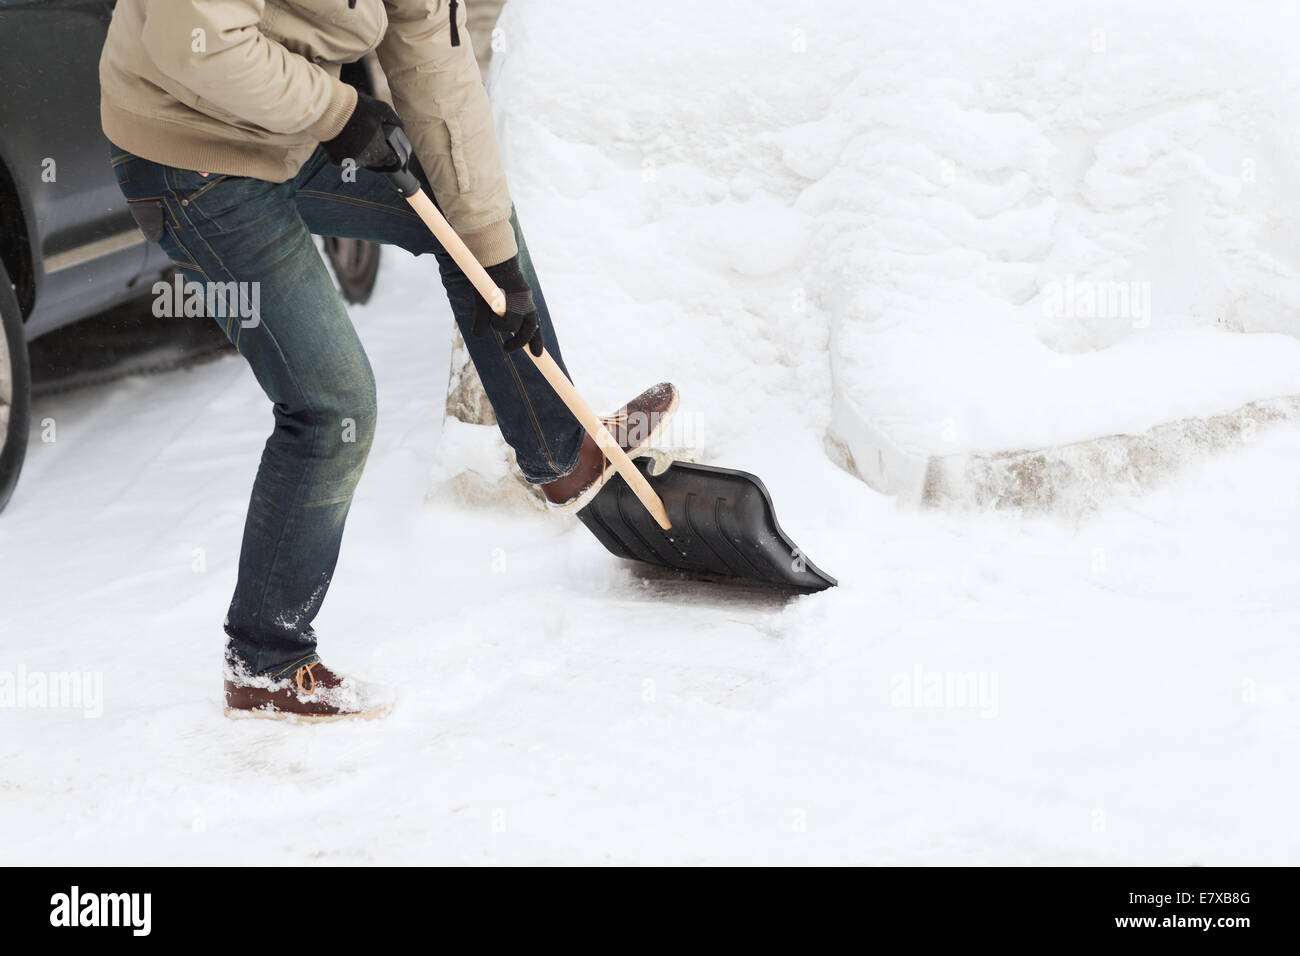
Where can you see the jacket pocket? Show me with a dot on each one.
(326, 31)
(459, 148)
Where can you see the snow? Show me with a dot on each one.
(957, 170)
(706, 204)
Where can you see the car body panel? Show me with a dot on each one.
(85, 250)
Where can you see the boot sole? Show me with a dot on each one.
(238, 714)
(582, 500)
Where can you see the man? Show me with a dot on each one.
(234, 141)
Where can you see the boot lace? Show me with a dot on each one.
(298, 678)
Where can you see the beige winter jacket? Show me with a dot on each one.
(249, 87)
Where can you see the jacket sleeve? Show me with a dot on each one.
(438, 92)
(234, 66)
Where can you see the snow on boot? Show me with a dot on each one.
(314, 694)
(634, 427)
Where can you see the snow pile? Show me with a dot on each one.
(1033, 227)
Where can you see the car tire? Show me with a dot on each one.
(15, 390)
(355, 264)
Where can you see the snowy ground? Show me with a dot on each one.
(1135, 692)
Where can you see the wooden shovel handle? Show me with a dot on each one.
(495, 298)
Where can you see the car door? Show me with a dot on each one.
(86, 251)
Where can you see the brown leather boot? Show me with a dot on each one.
(314, 694)
(634, 427)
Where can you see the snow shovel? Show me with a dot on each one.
(694, 518)
(723, 526)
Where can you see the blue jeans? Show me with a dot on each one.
(306, 356)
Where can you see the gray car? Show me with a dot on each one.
(68, 246)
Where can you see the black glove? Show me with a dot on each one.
(364, 137)
(520, 321)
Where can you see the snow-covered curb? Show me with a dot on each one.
(1068, 479)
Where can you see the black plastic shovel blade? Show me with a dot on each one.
(723, 524)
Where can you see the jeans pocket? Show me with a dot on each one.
(188, 186)
(225, 202)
